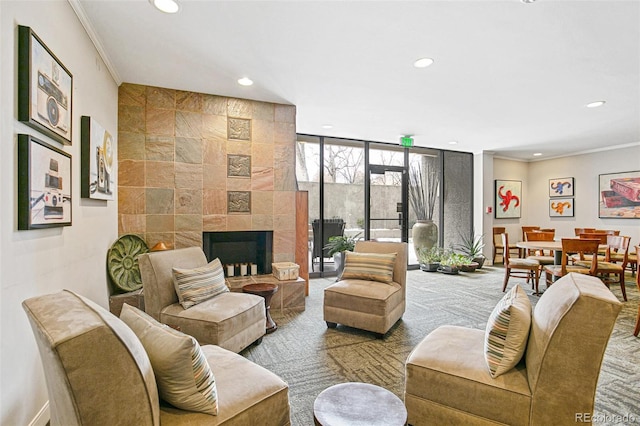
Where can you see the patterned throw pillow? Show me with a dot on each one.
(369, 266)
(197, 285)
(182, 373)
(507, 332)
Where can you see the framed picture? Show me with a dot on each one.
(619, 195)
(98, 160)
(561, 207)
(45, 88)
(561, 187)
(44, 185)
(508, 199)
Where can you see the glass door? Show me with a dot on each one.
(387, 206)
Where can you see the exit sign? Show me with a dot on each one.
(406, 141)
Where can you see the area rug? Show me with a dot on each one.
(310, 357)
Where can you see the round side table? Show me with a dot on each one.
(358, 404)
(266, 290)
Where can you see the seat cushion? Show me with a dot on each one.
(507, 331)
(369, 266)
(218, 319)
(543, 260)
(372, 297)
(603, 267)
(448, 368)
(180, 367)
(515, 262)
(247, 393)
(557, 269)
(196, 285)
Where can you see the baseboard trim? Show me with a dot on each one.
(43, 416)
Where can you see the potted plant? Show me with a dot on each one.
(336, 247)
(429, 258)
(471, 246)
(423, 193)
(450, 264)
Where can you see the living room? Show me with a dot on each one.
(47, 260)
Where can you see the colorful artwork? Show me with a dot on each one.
(98, 161)
(561, 187)
(508, 199)
(619, 195)
(561, 207)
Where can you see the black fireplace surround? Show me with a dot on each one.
(240, 247)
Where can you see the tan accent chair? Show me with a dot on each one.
(369, 305)
(98, 373)
(447, 380)
(230, 320)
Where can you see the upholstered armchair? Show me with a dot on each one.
(371, 292)
(448, 379)
(230, 320)
(98, 371)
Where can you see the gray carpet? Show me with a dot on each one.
(310, 357)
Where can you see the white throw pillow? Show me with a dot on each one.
(182, 373)
(507, 332)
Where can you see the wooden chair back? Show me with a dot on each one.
(593, 236)
(618, 244)
(539, 236)
(526, 229)
(582, 247)
(579, 231)
(607, 231)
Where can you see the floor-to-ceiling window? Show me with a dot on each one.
(361, 188)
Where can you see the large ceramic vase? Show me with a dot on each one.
(425, 235)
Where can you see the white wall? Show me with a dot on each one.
(585, 169)
(44, 261)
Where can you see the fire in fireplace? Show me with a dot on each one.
(233, 247)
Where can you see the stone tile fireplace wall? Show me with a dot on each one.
(192, 162)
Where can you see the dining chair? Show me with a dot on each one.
(579, 231)
(525, 229)
(607, 231)
(592, 236)
(545, 258)
(519, 267)
(497, 243)
(605, 268)
(637, 329)
(582, 247)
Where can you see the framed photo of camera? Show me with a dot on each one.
(98, 161)
(44, 184)
(45, 88)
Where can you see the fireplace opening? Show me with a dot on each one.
(234, 247)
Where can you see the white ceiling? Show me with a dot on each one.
(508, 77)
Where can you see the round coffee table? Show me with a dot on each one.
(266, 290)
(358, 404)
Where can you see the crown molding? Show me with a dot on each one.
(86, 23)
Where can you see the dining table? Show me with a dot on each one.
(555, 246)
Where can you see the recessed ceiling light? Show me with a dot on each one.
(527, 1)
(327, 126)
(453, 142)
(244, 81)
(537, 154)
(596, 104)
(423, 62)
(166, 6)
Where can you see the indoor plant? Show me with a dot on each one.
(471, 246)
(450, 263)
(336, 247)
(429, 258)
(423, 192)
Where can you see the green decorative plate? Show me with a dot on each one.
(122, 262)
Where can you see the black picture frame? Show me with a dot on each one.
(561, 207)
(45, 88)
(619, 195)
(44, 185)
(561, 187)
(98, 177)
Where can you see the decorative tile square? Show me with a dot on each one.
(239, 129)
(239, 202)
(238, 166)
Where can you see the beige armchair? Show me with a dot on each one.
(447, 380)
(230, 320)
(365, 304)
(98, 373)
